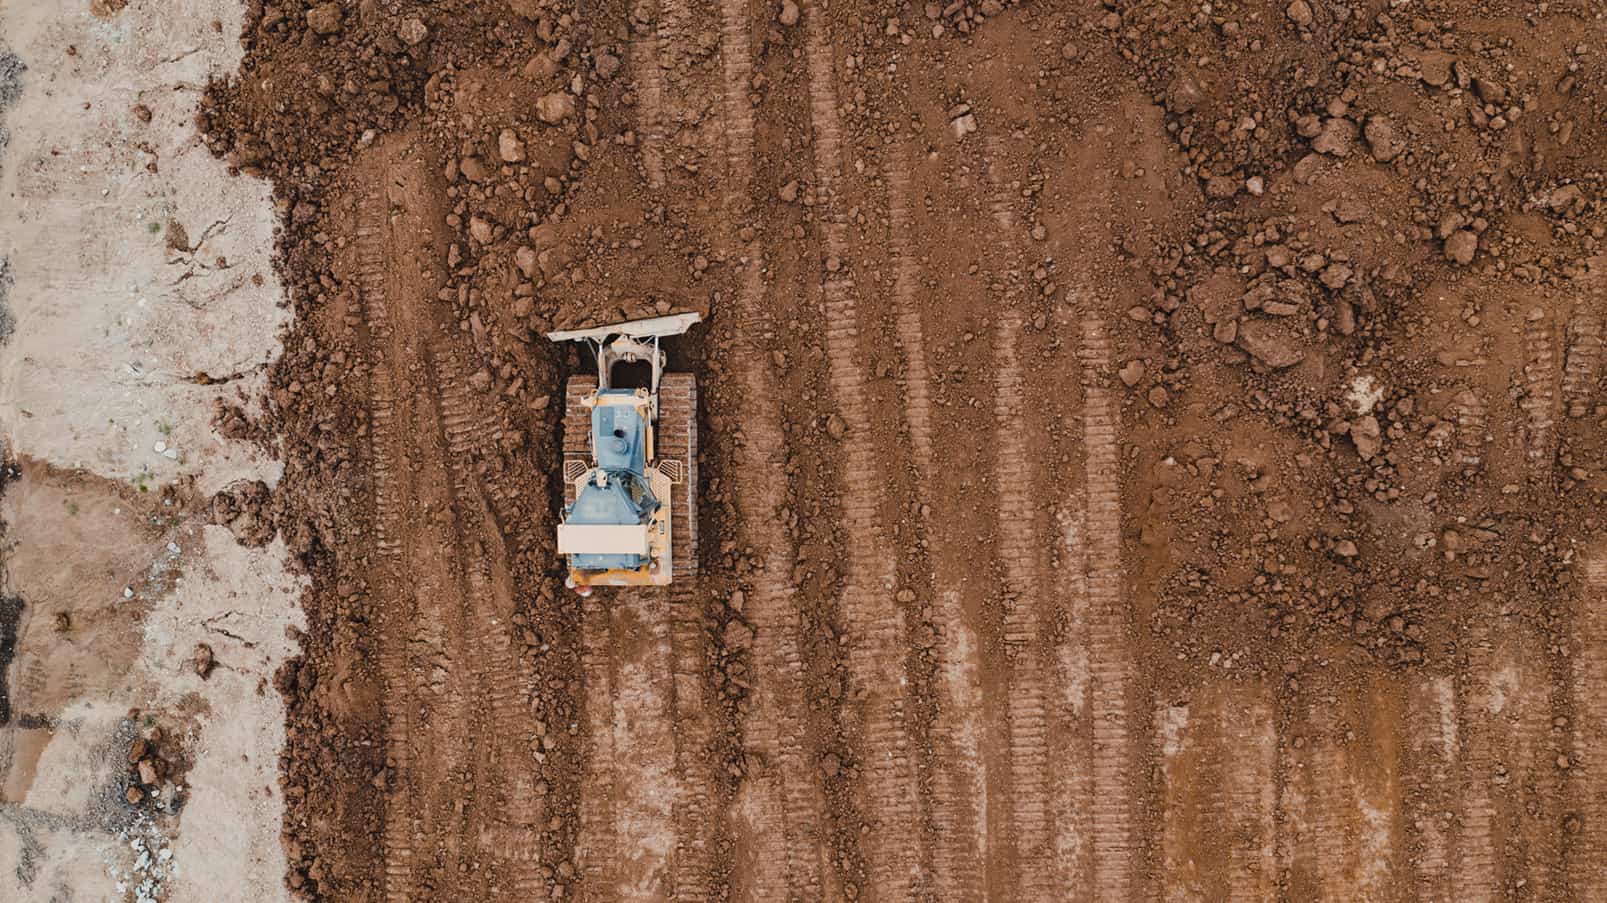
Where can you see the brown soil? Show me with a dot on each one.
(1147, 450)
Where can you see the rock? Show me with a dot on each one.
(555, 107)
(473, 169)
(147, 772)
(1225, 331)
(1335, 275)
(1460, 247)
(1273, 344)
(1338, 136)
(413, 31)
(789, 13)
(1364, 433)
(789, 191)
(1131, 372)
(1299, 12)
(202, 660)
(605, 64)
(510, 147)
(1255, 185)
(480, 230)
(830, 765)
(963, 124)
(134, 795)
(525, 260)
(1435, 68)
(1221, 187)
(1490, 92)
(1184, 94)
(324, 18)
(142, 112)
(1158, 396)
(1351, 210)
(1346, 549)
(836, 427)
(1383, 139)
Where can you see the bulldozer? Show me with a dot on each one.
(630, 460)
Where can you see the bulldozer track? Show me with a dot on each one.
(1587, 857)
(875, 627)
(959, 793)
(1431, 719)
(1539, 402)
(1113, 816)
(1583, 365)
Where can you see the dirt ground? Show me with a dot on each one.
(130, 265)
(1147, 451)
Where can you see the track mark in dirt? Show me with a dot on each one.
(694, 738)
(597, 842)
(1111, 663)
(1070, 727)
(647, 68)
(1579, 372)
(1540, 376)
(1321, 860)
(1472, 430)
(1431, 722)
(1474, 875)
(1219, 754)
(959, 791)
(875, 627)
(1587, 856)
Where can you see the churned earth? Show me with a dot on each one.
(1146, 451)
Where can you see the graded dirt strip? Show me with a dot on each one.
(694, 732)
(1587, 857)
(1319, 809)
(959, 792)
(781, 847)
(422, 653)
(1111, 663)
(1071, 731)
(875, 626)
(1431, 726)
(1025, 701)
(630, 774)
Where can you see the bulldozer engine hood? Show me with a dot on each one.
(619, 435)
(623, 499)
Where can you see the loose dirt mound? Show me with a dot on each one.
(1118, 422)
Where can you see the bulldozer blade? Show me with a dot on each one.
(652, 327)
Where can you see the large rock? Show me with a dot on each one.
(1274, 344)
(1461, 246)
(1383, 139)
(1337, 137)
(555, 107)
(324, 18)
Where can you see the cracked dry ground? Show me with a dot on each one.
(1147, 451)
